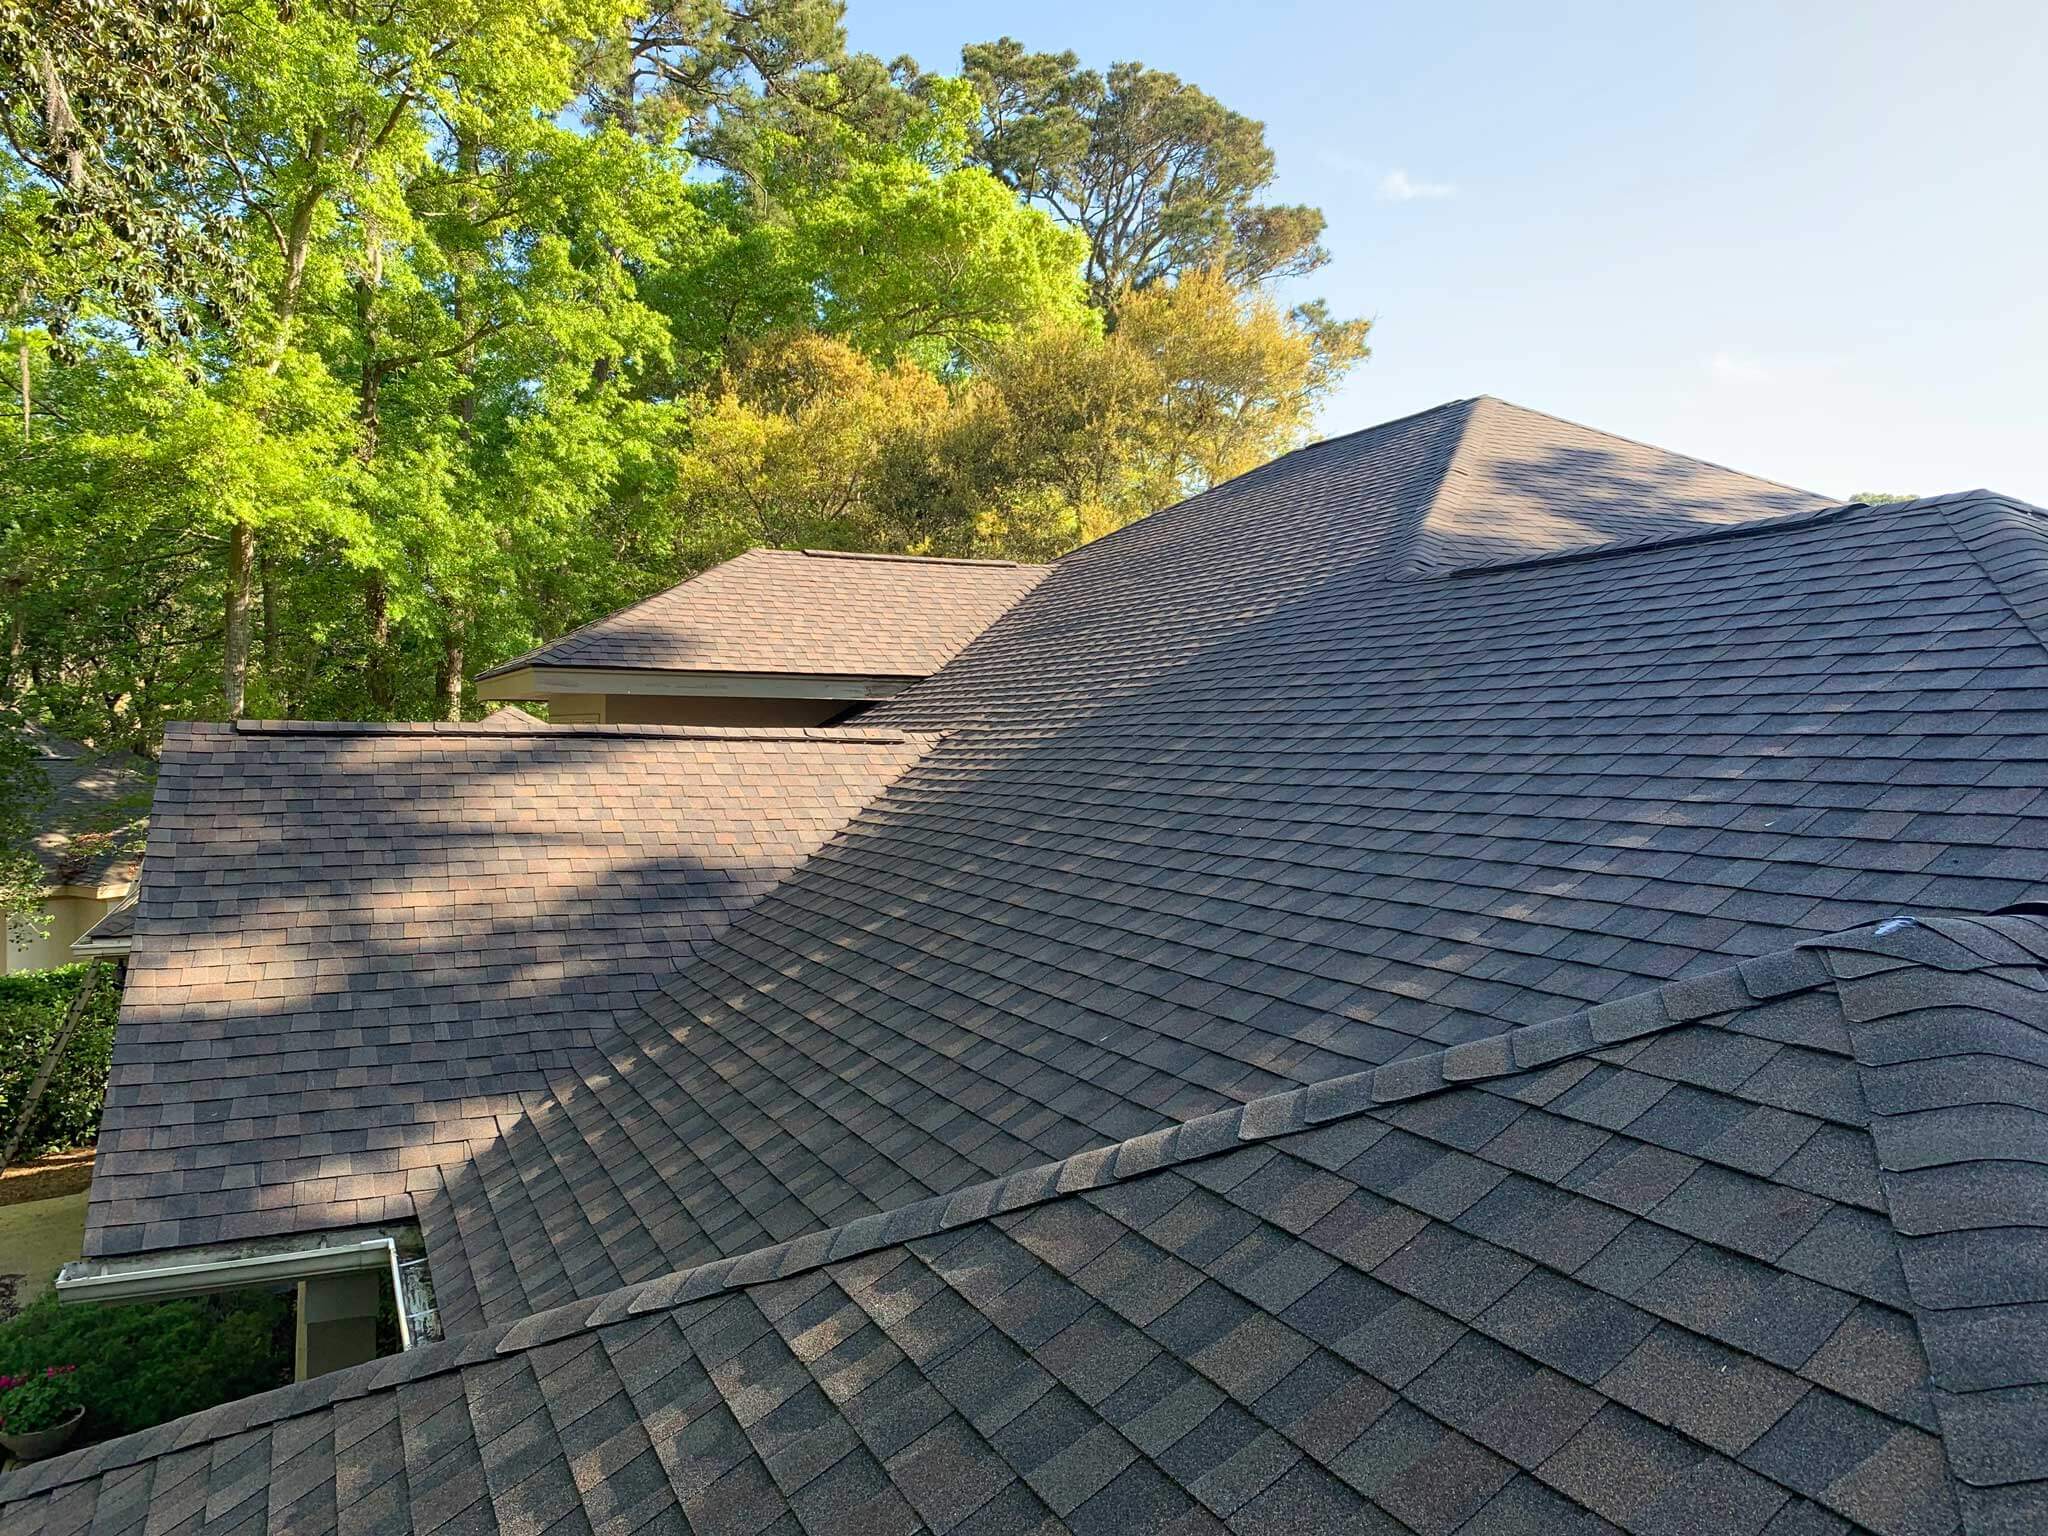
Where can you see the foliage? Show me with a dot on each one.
(105, 106)
(537, 306)
(142, 1363)
(39, 1400)
(1881, 498)
(32, 1009)
(1161, 177)
(1064, 433)
(24, 791)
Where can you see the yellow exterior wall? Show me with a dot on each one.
(659, 709)
(69, 917)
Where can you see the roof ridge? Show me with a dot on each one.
(1522, 1048)
(1274, 463)
(1882, 953)
(1980, 1309)
(1616, 548)
(2008, 538)
(862, 554)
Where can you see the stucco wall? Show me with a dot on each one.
(69, 917)
(655, 709)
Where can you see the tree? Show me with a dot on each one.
(24, 791)
(1073, 433)
(526, 308)
(104, 106)
(1062, 432)
(1159, 176)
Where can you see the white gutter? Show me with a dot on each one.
(286, 1265)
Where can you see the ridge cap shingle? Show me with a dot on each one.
(2008, 538)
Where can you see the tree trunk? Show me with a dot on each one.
(451, 675)
(298, 243)
(235, 640)
(376, 609)
(264, 575)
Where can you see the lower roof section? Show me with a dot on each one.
(356, 947)
(1656, 1267)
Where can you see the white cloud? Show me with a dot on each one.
(1732, 367)
(1397, 186)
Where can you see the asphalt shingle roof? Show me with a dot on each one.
(355, 947)
(803, 611)
(1639, 1269)
(89, 833)
(1460, 867)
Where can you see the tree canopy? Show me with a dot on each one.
(364, 346)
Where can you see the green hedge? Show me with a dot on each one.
(32, 1008)
(142, 1362)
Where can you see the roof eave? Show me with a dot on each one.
(531, 682)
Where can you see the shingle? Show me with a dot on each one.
(1309, 1502)
(947, 1474)
(1139, 1498)
(1620, 1465)
(1714, 1495)
(1179, 865)
(1822, 1439)
(1713, 1394)
(1574, 1329)
(1524, 1507)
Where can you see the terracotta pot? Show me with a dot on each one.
(35, 1444)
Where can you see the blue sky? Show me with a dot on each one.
(1807, 240)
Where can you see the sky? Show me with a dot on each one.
(1806, 240)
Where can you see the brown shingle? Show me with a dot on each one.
(804, 611)
(352, 938)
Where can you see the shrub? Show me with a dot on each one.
(140, 1363)
(32, 1009)
(41, 1400)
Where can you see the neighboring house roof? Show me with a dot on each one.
(810, 612)
(110, 937)
(357, 945)
(1283, 805)
(1754, 1251)
(92, 822)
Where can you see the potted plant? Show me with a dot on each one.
(39, 1413)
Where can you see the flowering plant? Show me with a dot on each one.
(38, 1401)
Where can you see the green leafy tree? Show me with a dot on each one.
(526, 308)
(105, 108)
(24, 791)
(1159, 176)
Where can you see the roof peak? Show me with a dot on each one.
(1520, 485)
(1579, 426)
